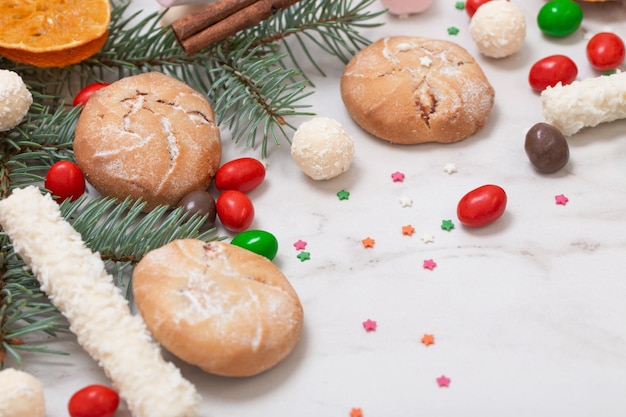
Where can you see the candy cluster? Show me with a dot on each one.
(568, 104)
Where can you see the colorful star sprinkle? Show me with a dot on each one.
(427, 238)
(406, 201)
(425, 61)
(397, 176)
(452, 30)
(429, 264)
(300, 244)
(369, 325)
(303, 256)
(368, 242)
(356, 412)
(408, 230)
(343, 195)
(460, 5)
(561, 199)
(443, 381)
(449, 168)
(428, 339)
(447, 225)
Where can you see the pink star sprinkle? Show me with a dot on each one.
(429, 264)
(397, 176)
(561, 199)
(300, 244)
(369, 325)
(443, 381)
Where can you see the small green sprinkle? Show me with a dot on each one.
(304, 256)
(343, 195)
(447, 225)
(609, 72)
(460, 5)
(453, 30)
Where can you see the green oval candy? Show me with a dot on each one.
(258, 241)
(559, 18)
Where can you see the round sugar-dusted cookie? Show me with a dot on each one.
(411, 90)
(223, 308)
(148, 137)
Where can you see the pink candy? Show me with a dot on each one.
(406, 7)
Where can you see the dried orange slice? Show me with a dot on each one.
(53, 33)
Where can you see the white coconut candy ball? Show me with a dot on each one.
(321, 148)
(15, 100)
(21, 395)
(498, 28)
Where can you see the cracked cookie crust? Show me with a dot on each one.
(410, 90)
(148, 137)
(215, 305)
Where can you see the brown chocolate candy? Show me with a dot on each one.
(202, 203)
(546, 148)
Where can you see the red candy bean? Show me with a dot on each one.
(94, 401)
(482, 206)
(472, 5)
(605, 51)
(235, 210)
(86, 93)
(243, 174)
(65, 180)
(549, 71)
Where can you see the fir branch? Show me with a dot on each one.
(332, 26)
(122, 233)
(24, 308)
(45, 137)
(252, 91)
(137, 44)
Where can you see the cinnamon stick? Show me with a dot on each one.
(199, 30)
(206, 16)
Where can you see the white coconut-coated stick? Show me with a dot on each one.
(75, 280)
(585, 103)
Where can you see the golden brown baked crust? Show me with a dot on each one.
(412, 90)
(148, 136)
(215, 305)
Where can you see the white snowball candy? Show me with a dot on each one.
(15, 100)
(498, 28)
(321, 148)
(21, 395)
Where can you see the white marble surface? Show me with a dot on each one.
(528, 314)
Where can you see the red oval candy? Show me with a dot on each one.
(94, 401)
(243, 174)
(235, 210)
(481, 206)
(65, 180)
(472, 5)
(605, 51)
(549, 71)
(86, 93)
